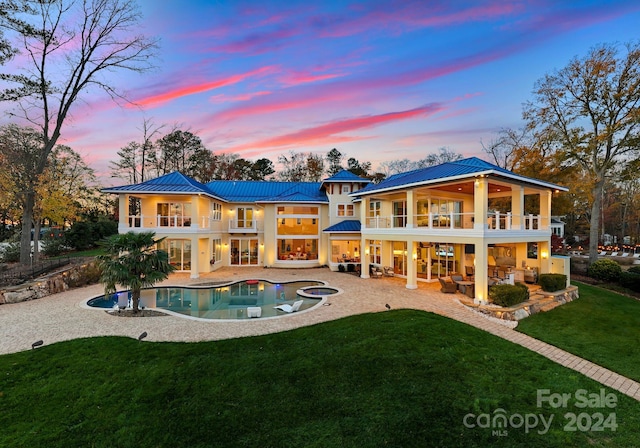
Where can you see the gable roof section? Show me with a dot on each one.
(345, 176)
(263, 191)
(174, 183)
(450, 171)
(347, 226)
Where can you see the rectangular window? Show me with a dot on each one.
(375, 251)
(216, 211)
(245, 217)
(346, 189)
(374, 208)
(290, 249)
(216, 251)
(345, 209)
(297, 210)
(174, 214)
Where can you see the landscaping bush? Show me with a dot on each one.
(508, 295)
(552, 282)
(605, 270)
(634, 269)
(52, 246)
(630, 280)
(10, 253)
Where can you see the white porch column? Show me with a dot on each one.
(411, 209)
(123, 211)
(545, 209)
(517, 207)
(195, 258)
(412, 265)
(481, 273)
(364, 243)
(195, 211)
(480, 203)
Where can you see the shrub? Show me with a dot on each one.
(630, 280)
(508, 295)
(634, 269)
(52, 246)
(605, 270)
(552, 282)
(10, 253)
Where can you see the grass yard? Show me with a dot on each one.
(601, 326)
(399, 379)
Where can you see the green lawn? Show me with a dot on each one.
(399, 379)
(602, 326)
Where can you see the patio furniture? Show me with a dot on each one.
(254, 311)
(531, 275)
(388, 272)
(469, 272)
(375, 273)
(464, 286)
(447, 285)
(290, 308)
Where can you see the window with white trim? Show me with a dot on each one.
(216, 211)
(346, 189)
(345, 210)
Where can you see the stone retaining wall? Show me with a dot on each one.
(52, 283)
(543, 301)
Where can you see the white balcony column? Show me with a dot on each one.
(481, 273)
(195, 211)
(364, 212)
(195, 258)
(545, 210)
(412, 265)
(124, 220)
(364, 258)
(480, 203)
(517, 207)
(411, 210)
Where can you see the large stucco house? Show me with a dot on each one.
(465, 217)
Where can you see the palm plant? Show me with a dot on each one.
(133, 261)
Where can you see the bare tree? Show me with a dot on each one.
(593, 107)
(69, 47)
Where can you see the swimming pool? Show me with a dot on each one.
(217, 302)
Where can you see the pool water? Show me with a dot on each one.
(217, 302)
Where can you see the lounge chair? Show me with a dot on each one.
(387, 271)
(375, 273)
(625, 254)
(447, 286)
(290, 308)
(636, 255)
(614, 254)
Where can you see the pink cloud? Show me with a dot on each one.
(235, 98)
(294, 78)
(328, 133)
(199, 88)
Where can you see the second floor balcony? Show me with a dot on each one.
(189, 224)
(458, 221)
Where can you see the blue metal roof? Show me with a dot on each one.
(263, 191)
(175, 182)
(349, 226)
(449, 170)
(345, 176)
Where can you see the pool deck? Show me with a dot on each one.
(63, 316)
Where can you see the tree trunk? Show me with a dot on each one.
(25, 238)
(594, 231)
(36, 239)
(135, 296)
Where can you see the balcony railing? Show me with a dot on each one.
(159, 221)
(444, 221)
(245, 225)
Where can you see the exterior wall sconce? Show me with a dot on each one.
(544, 254)
(415, 255)
(366, 251)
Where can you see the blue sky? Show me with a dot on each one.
(379, 80)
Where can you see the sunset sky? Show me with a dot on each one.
(379, 80)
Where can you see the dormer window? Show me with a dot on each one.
(346, 189)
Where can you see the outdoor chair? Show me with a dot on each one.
(448, 286)
(614, 254)
(290, 308)
(375, 273)
(387, 271)
(469, 271)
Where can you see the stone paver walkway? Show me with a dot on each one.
(63, 316)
